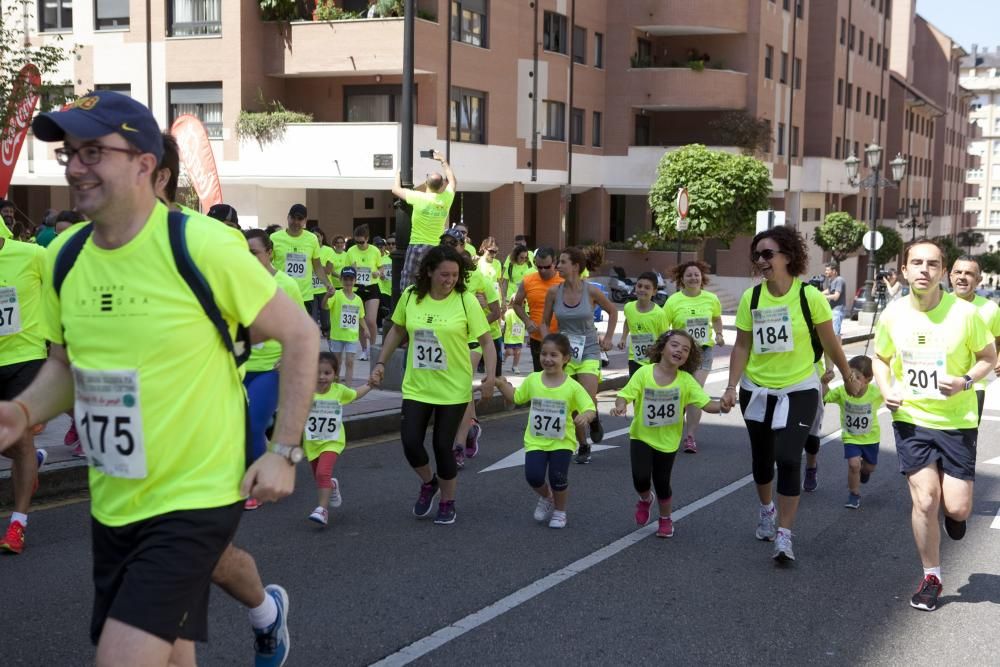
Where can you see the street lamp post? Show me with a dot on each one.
(914, 221)
(873, 182)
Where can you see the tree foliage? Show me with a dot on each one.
(17, 50)
(725, 192)
(969, 239)
(951, 251)
(989, 262)
(741, 129)
(840, 235)
(892, 245)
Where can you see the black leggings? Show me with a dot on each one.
(650, 464)
(633, 367)
(783, 446)
(557, 462)
(415, 417)
(536, 354)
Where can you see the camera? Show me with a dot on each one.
(881, 275)
(817, 282)
(428, 153)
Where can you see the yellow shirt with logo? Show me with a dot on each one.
(680, 308)
(369, 258)
(990, 312)
(858, 414)
(788, 328)
(318, 288)
(514, 274)
(652, 323)
(941, 341)
(126, 314)
(385, 284)
(659, 409)
(347, 333)
(301, 271)
(338, 260)
(21, 335)
(514, 329)
(430, 215)
(477, 283)
(327, 408)
(438, 368)
(551, 411)
(265, 356)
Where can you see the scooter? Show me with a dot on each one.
(622, 288)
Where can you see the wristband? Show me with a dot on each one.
(733, 387)
(380, 363)
(24, 409)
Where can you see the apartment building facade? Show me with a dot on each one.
(981, 76)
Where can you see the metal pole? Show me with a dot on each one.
(403, 210)
(869, 306)
(678, 247)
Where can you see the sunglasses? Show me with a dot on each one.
(545, 268)
(767, 255)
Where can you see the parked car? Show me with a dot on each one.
(861, 297)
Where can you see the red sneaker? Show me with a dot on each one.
(71, 439)
(690, 446)
(666, 527)
(13, 541)
(642, 510)
(251, 504)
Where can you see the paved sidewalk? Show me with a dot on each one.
(366, 417)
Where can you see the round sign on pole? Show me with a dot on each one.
(872, 240)
(682, 203)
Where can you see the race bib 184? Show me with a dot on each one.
(772, 330)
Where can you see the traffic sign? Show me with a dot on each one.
(682, 203)
(872, 240)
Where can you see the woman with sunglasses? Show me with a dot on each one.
(772, 363)
(488, 264)
(572, 304)
(699, 312)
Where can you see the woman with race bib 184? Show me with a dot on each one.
(772, 360)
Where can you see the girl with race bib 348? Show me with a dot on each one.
(324, 438)
(556, 402)
(644, 322)
(572, 304)
(772, 364)
(661, 391)
(699, 312)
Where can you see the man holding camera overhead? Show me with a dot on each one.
(431, 205)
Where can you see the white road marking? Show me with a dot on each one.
(995, 461)
(996, 521)
(517, 458)
(440, 637)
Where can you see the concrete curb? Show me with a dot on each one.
(70, 477)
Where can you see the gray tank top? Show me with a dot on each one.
(576, 322)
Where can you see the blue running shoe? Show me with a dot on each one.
(271, 645)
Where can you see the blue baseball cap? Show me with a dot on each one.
(348, 272)
(99, 113)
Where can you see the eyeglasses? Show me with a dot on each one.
(545, 268)
(492, 251)
(767, 255)
(89, 155)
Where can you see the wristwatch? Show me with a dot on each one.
(291, 453)
(968, 382)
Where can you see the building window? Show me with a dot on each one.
(885, 57)
(785, 5)
(110, 14)
(643, 53)
(468, 21)
(596, 129)
(994, 217)
(799, 8)
(598, 50)
(768, 61)
(55, 15)
(871, 48)
(797, 73)
(555, 121)
(468, 115)
(836, 149)
(857, 100)
(555, 35)
(881, 112)
(123, 88)
(840, 91)
(784, 68)
(856, 151)
(868, 103)
(843, 30)
(994, 194)
(850, 38)
(878, 55)
(579, 45)
(850, 94)
(795, 141)
(781, 138)
(201, 100)
(195, 17)
(374, 104)
(861, 44)
(576, 126)
(643, 130)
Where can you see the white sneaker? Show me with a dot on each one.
(336, 500)
(765, 524)
(543, 510)
(783, 547)
(363, 355)
(319, 515)
(558, 519)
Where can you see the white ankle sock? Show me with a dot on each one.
(20, 518)
(265, 615)
(936, 571)
(768, 507)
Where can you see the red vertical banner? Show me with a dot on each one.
(199, 161)
(20, 109)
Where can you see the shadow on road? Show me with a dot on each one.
(980, 588)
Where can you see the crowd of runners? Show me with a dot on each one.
(144, 296)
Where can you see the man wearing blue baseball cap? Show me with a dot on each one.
(168, 471)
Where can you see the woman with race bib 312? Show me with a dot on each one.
(772, 362)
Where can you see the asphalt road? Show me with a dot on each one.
(497, 588)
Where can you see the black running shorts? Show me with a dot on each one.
(953, 450)
(15, 378)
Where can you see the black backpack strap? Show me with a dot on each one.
(176, 225)
(68, 254)
(817, 345)
(755, 297)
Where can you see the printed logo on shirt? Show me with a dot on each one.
(113, 299)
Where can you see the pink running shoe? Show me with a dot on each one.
(666, 528)
(459, 453)
(642, 509)
(690, 446)
(472, 439)
(71, 439)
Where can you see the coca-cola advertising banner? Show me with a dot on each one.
(20, 109)
(196, 154)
